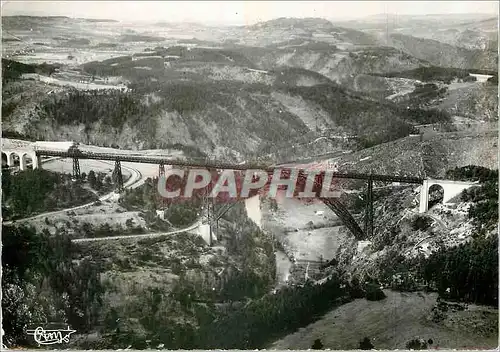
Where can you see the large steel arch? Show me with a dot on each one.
(334, 204)
(341, 211)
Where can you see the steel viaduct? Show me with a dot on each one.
(451, 188)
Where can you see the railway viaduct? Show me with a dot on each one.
(37, 150)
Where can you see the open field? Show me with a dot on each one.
(392, 322)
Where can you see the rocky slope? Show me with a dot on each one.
(476, 101)
(472, 34)
(427, 156)
(470, 31)
(335, 63)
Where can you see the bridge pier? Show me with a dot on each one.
(424, 197)
(161, 172)
(10, 159)
(76, 169)
(22, 162)
(36, 161)
(205, 232)
(118, 176)
(216, 217)
(210, 214)
(369, 209)
(209, 206)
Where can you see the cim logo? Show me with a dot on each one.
(51, 337)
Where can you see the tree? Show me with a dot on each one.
(317, 345)
(92, 179)
(355, 289)
(416, 344)
(421, 223)
(86, 228)
(107, 180)
(374, 293)
(99, 181)
(273, 205)
(365, 344)
(129, 222)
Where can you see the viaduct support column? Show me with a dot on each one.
(37, 161)
(76, 169)
(214, 223)
(161, 172)
(22, 162)
(210, 210)
(424, 197)
(369, 209)
(118, 177)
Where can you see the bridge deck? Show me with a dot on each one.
(215, 165)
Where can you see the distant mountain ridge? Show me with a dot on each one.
(24, 22)
(427, 16)
(283, 29)
(285, 22)
(445, 55)
(60, 17)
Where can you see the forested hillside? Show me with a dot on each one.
(445, 55)
(249, 119)
(34, 191)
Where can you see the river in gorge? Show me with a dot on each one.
(283, 267)
(283, 263)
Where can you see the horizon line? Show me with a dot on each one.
(340, 19)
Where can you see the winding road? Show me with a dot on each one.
(146, 235)
(135, 180)
(135, 177)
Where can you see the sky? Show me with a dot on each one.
(239, 12)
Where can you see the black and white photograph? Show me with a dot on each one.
(244, 175)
